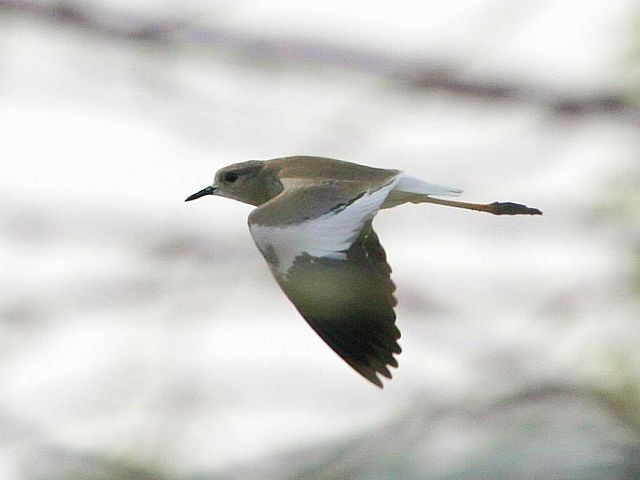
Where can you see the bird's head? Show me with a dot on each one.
(240, 181)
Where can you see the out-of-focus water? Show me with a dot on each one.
(144, 337)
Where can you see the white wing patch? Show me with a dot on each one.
(410, 184)
(328, 236)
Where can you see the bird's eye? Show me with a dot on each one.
(231, 177)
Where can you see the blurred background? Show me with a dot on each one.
(144, 338)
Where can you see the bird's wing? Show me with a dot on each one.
(330, 264)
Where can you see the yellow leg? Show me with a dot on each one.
(496, 208)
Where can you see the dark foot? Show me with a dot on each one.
(509, 208)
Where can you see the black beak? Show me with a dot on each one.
(201, 193)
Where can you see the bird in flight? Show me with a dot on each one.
(313, 226)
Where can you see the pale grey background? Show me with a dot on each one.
(141, 337)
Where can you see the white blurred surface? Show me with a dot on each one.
(147, 329)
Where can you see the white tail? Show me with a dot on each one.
(408, 184)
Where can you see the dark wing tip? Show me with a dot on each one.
(376, 381)
(370, 372)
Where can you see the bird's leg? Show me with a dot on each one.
(496, 208)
